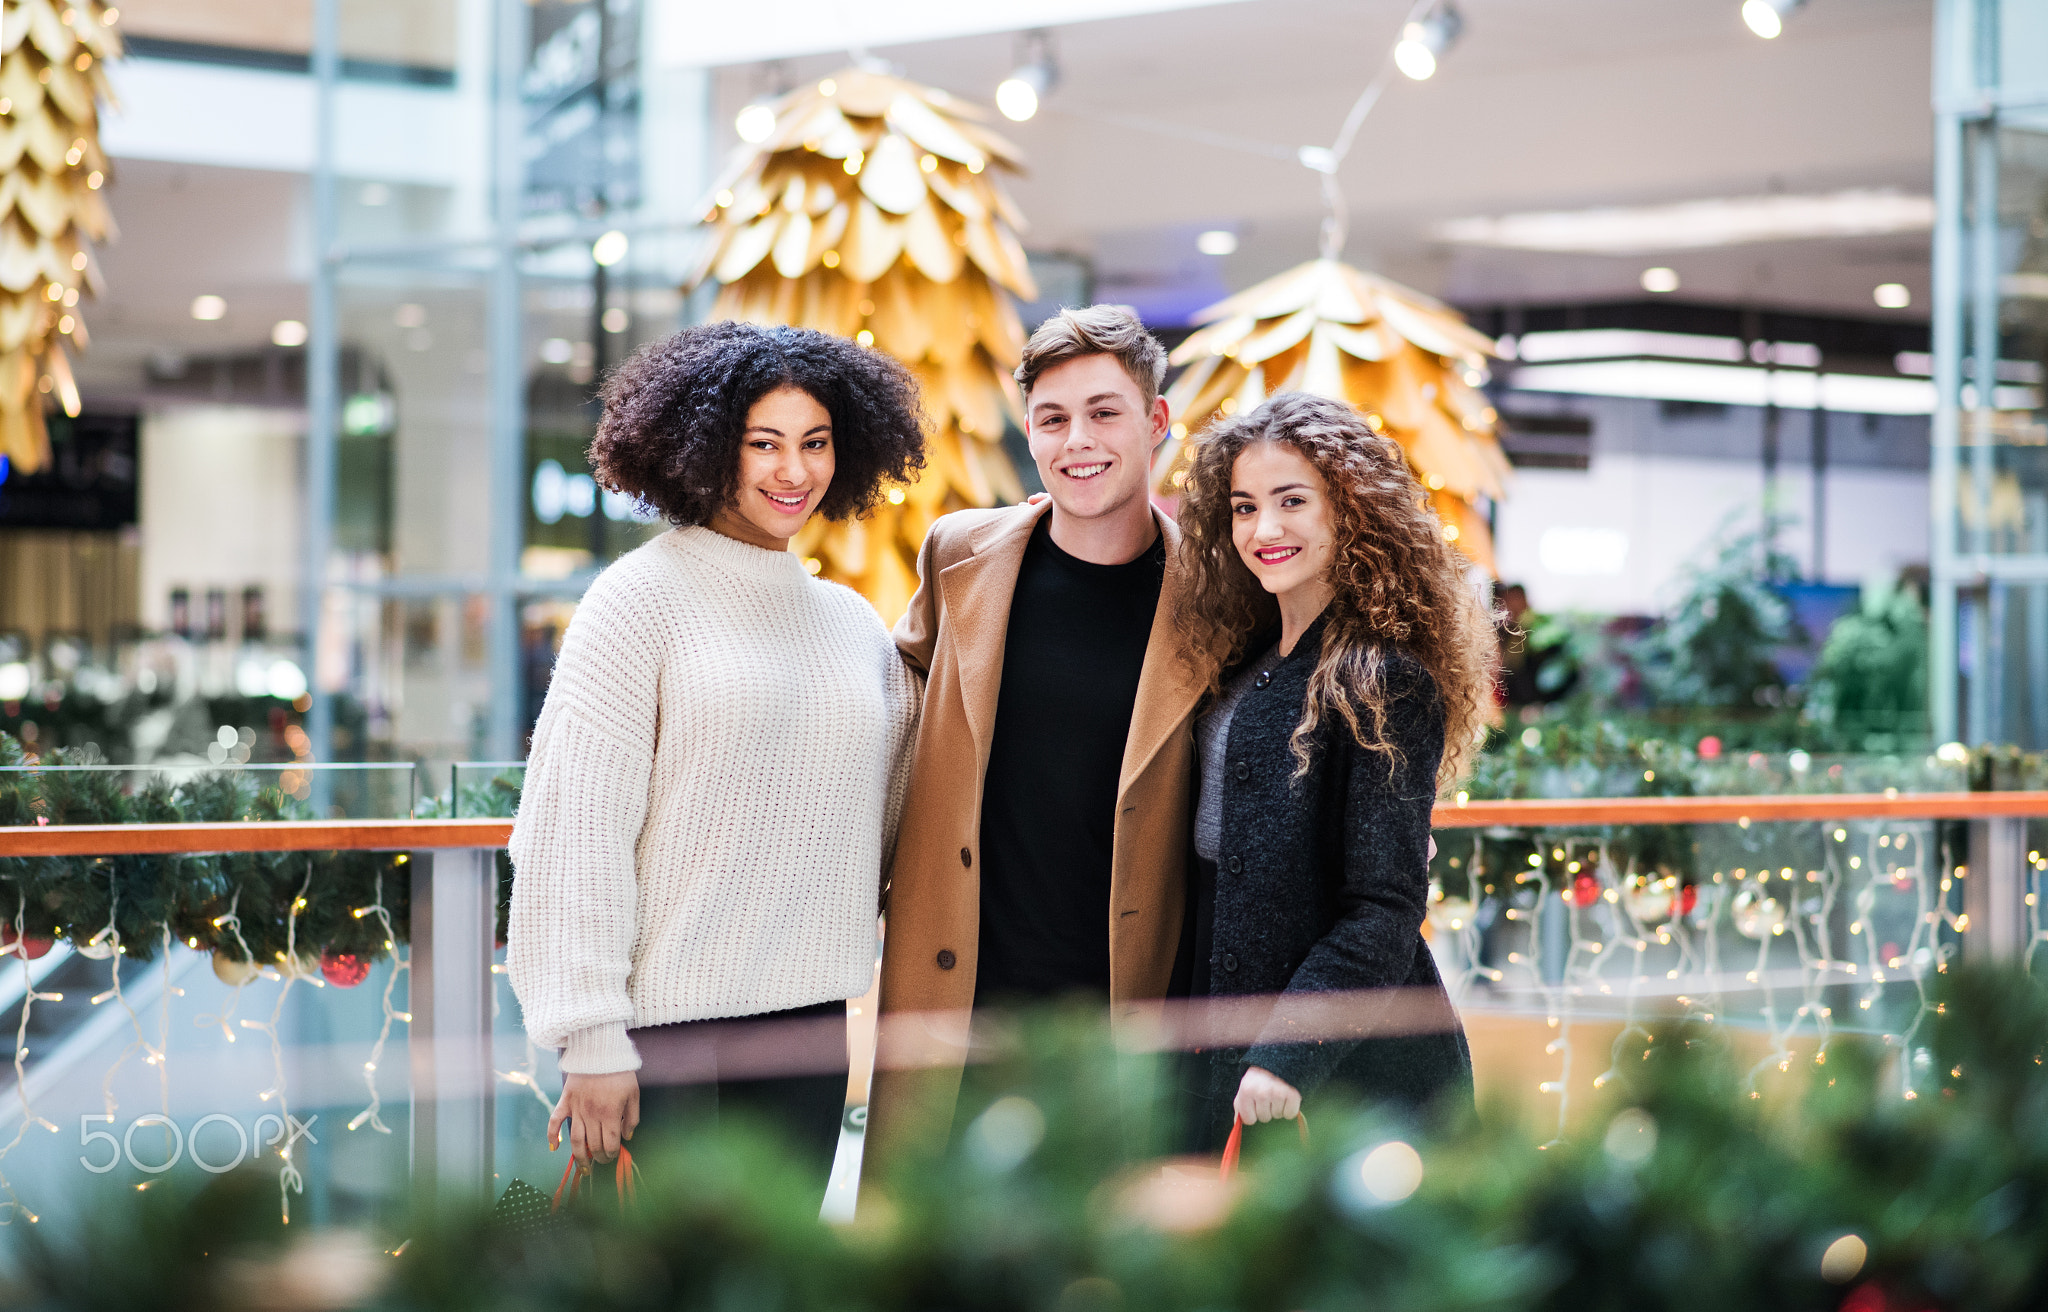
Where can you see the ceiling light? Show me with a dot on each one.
(209, 307)
(609, 249)
(1424, 41)
(1671, 380)
(1660, 280)
(1920, 364)
(1892, 295)
(1618, 343)
(1687, 225)
(1583, 550)
(1218, 241)
(288, 332)
(755, 124)
(1612, 343)
(1018, 95)
(1766, 18)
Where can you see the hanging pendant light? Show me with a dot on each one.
(1424, 40)
(1017, 96)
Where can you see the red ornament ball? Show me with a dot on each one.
(1585, 891)
(1688, 898)
(1710, 747)
(344, 970)
(28, 946)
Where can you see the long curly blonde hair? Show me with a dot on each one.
(1398, 583)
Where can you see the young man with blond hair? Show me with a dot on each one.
(1042, 850)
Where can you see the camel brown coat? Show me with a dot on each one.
(954, 632)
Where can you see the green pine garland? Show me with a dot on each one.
(239, 904)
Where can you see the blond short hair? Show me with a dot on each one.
(1095, 330)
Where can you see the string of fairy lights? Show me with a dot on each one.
(293, 968)
(1855, 922)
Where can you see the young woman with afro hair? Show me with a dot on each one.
(716, 774)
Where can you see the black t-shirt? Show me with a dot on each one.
(1071, 661)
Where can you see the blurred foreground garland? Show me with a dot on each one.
(1830, 1191)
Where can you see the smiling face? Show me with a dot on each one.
(1092, 437)
(1281, 521)
(786, 464)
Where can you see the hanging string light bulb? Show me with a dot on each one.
(871, 209)
(52, 205)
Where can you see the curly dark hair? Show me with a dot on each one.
(675, 411)
(1398, 582)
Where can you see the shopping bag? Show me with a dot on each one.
(522, 1210)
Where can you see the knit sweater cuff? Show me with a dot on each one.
(600, 1050)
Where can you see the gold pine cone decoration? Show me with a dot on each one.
(52, 204)
(1409, 363)
(873, 211)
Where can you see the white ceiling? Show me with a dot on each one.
(1543, 104)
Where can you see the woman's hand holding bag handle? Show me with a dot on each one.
(577, 1177)
(1231, 1146)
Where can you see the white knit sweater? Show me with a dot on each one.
(716, 773)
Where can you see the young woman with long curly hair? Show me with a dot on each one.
(1350, 666)
(716, 774)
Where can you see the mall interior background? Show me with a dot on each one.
(367, 352)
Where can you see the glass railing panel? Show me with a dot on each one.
(134, 1067)
(1786, 934)
(195, 791)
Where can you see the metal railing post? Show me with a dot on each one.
(1995, 890)
(454, 912)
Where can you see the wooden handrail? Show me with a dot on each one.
(1732, 810)
(423, 835)
(253, 836)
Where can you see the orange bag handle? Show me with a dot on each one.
(1235, 1142)
(576, 1177)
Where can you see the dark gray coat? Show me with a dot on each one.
(1322, 884)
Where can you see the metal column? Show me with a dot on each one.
(454, 914)
(1995, 891)
(505, 717)
(323, 378)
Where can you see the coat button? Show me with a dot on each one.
(1229, 962)
(1265, 677)
(1243, 771)
(966, 858)
(1236, 865)
(946, 958)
